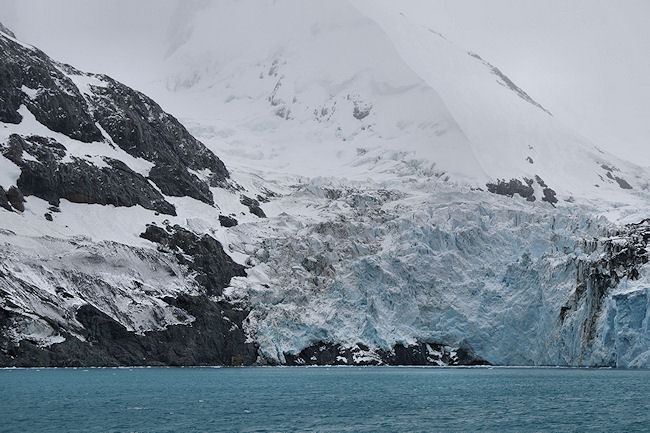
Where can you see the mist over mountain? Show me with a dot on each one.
(593, 79)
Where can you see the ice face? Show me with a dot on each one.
(381, 269)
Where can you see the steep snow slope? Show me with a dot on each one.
(345, 87)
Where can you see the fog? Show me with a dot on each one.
(588, 61)
(585, 60)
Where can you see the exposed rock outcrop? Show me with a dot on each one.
(6, 30)
(16, 198)
(4, 202)
(96, 108)
(418, 354)
(177, 181)
(29, 77)
(549, 195)
(512, 187)
(96, 141)
(209, 330)
(252, 205)
(141, 128)
(623, 255)
(524, 189)
(211, 339)
(227, 221)
(46, 175)
(202, 254)
(507, 82)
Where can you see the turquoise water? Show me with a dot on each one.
(323, 399)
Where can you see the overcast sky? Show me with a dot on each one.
(588, 61)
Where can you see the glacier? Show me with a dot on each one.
(385, 267)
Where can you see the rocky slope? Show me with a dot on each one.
(390, 199)
(67, 298)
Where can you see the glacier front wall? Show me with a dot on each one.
(454, 268)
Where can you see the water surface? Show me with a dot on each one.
(323, 399)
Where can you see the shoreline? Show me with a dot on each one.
(432, 367)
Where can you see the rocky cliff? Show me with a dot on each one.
(65, 300)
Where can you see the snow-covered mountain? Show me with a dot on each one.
(390, 198)
(342, 88)
(98, 188)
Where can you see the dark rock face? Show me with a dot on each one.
(161, 138)
(178, 182)
(512, 187)
(215, 337)
(549, 194)
(622, 183)
(79, 181)
(96, 109)
(211, 339)
(525, 190)
(623, 255)
(619, 180)
(419, 354)
(141, 128)
(57, 103)
(214, 268)
(5, 30)
(16, 198)
(253, 206)
(4, 202)
(133, 122)
(361, 111)
(507, 82)
(227, 221)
